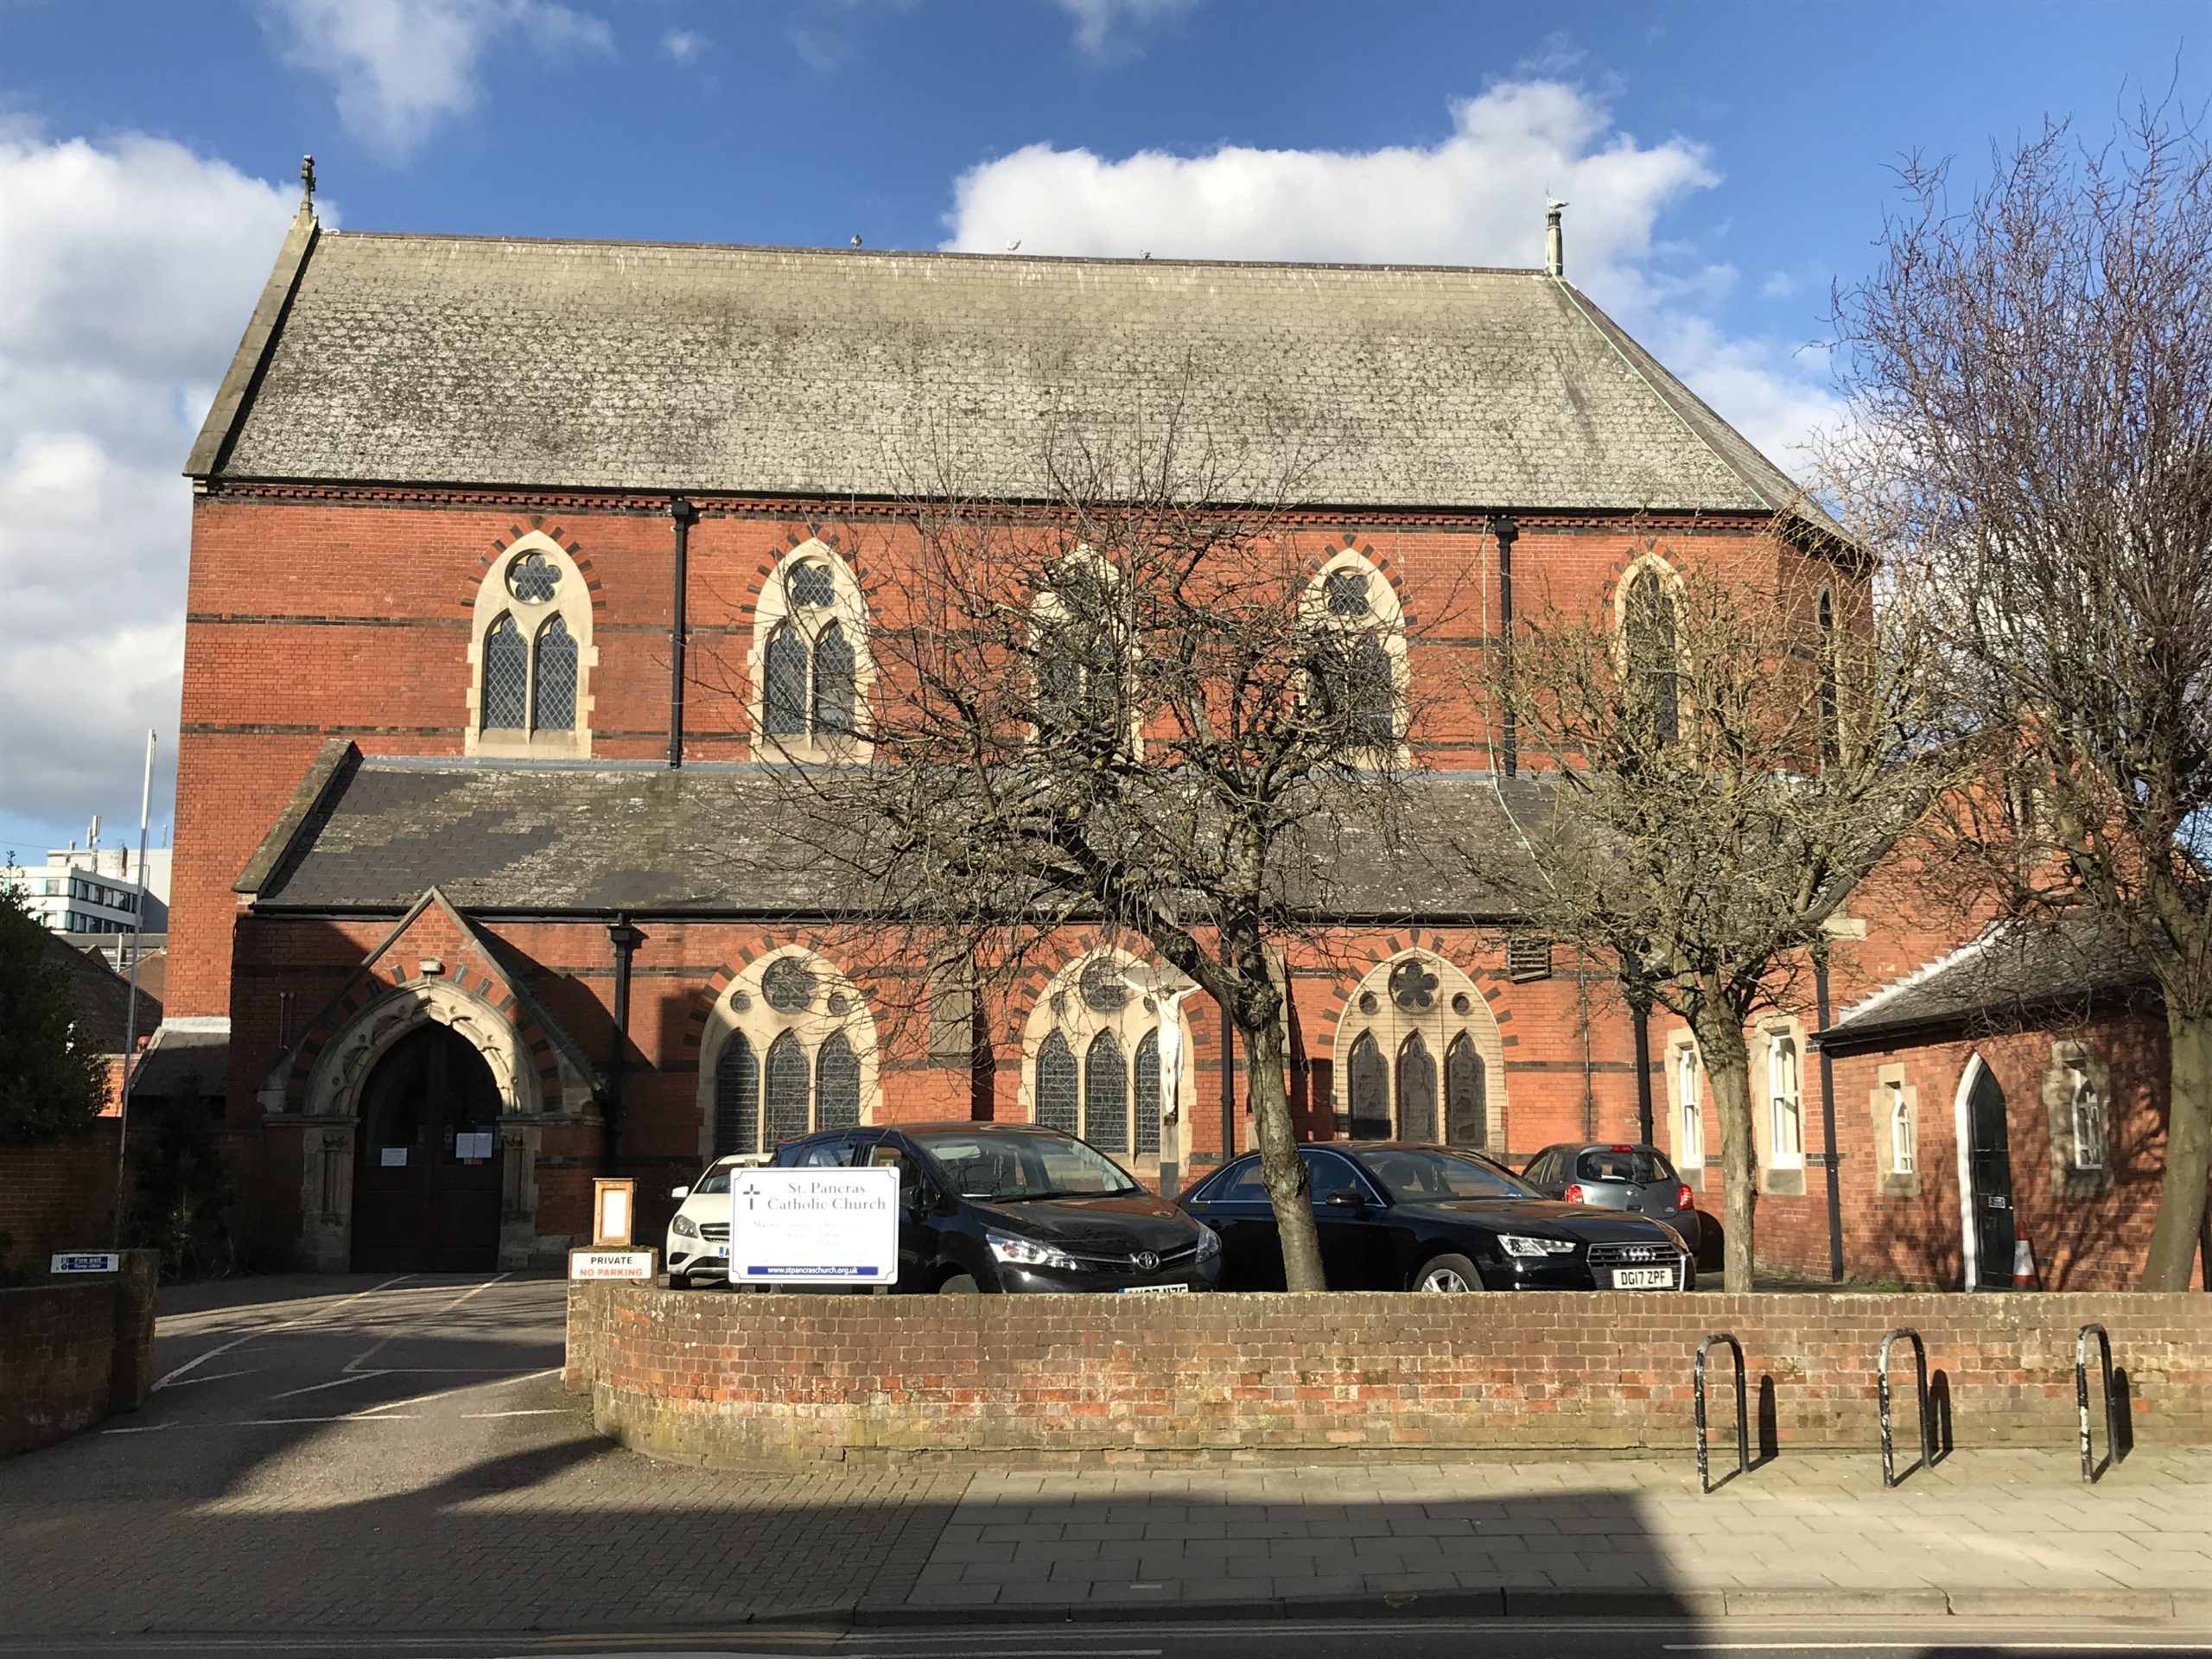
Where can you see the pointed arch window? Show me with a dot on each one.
(1654, 659)
(810, 664)
(787, 1091)
(1689, 1080)
(1094, 1056)
(1831, 736)
(1145, 1080)
(1786, 1130)
(836, 1084)
(1356, 644)
(1106, 1094)
(1056, 1085)
(1415, 1048)
(1369, 1085)
(531, 654)
(1416, 1090)
(737, 1097)
(1466, 1109)
(1082, 653)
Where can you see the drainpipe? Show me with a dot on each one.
(626, 939)
(1639, 1008)
(1502, 527)
(685, 516)
(1827, 1115)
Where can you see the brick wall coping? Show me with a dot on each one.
(737, 1378)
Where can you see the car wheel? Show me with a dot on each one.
(959, 1284)
(1448, 1273)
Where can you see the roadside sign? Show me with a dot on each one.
(87, 1262)
(814, 1227)
(611, 1264)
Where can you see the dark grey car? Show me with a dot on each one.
(1615, 1175)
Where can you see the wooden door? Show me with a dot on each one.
(1989, 1167)
(426, 1182)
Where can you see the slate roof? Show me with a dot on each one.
(174, 1055)
(514, 839)
(2011, 973)
(459, 360)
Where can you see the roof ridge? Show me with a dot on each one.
(832, 251)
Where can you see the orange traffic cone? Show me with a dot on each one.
(2023, 1266)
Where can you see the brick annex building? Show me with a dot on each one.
(433, 829)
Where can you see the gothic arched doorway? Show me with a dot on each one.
(426, 1180)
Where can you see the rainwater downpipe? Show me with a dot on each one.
(685, 516)
(626, 939)
(1503, 526)
(1828, 1116)
(1639, 1007)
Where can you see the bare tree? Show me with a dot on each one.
(1718, 767)
(2032, 377)
(1128, 705)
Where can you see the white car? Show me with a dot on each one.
(698, 1236)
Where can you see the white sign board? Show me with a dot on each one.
(87, 1262)
(814, 1227)
(611, 1264)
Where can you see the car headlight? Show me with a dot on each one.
(684, 1227)
(1027, 1252)
(1522, 1244)
(1209, 1243)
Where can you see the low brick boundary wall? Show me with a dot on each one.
(735, 1378)
(74, 1353)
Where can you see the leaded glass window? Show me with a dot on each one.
(737, 1097)
(1369, 1085)
(553, 689)
(833, 682)
(1059, 685)
(1373, 703)
(533, 578)
(1146, 1091)
(1056, 1091)
(1467, 1113)
(1344, 593)
(837, 1084)
(786, 1089)
(1106, 1095)
(783, 702)
(1413, 985)
(1653, 662)
(812, 585)
(789, 984)
(506, 676)
(1416, 1090)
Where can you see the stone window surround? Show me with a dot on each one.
(1081, 1022)
(2071, 1180)
(1893, 1081)
(1387, 621)
(770, 611)
(1050, 609)
(1783, 1177)
(1392, 1025)
(762, 1024)
(572, 603)
(1680, 1041)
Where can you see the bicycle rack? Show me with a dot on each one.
(1920, 1390)
(1743, 1429)
(2082, 1397)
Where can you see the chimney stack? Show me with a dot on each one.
(1555, 243)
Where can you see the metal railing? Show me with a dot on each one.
(1920, 1391)
(1743, 1427)
(2115, 1428)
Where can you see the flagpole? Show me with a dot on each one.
(131, 1014)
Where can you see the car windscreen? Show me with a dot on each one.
(715, 1180)
(1008, 1168)
(1417, 1177)
(1638, 1165)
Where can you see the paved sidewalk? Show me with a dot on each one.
(391, 1458)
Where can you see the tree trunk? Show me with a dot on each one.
(1280, 1167)
(2189, 1152)
(1728, 1078)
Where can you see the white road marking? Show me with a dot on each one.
(271, 1331)
(534, 1411)
(472, 1291)
(216, 1376)
(446, 1394)
(334, 1383)
(143, 1428)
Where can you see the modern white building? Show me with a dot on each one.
(96, 890)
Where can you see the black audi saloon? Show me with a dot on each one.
(1013, 1207)
(1406, 1218)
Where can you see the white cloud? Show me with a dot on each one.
(127, 271)
(400, 68)
(1476, 197)
(1099, 23)
(682, 44)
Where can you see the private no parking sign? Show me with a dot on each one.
(814, 1227)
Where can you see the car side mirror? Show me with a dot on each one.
(1345, 1201)
(679, 1192)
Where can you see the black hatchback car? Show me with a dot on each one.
(1013, 1207)
(1406, 1218)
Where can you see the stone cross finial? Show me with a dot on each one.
(307, 184)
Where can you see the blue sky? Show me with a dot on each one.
(1725, 163)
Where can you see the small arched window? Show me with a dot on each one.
(787, 1092)
(1356, 655)
(810, 664)
(1106, 1094)
(836, 1084)
(1416, 1090)
(531, 654)
(1904, 1152)
(1830, 705)
(2087, 1112)
(1786, 1129)
(1056, 1086)
(737, 1097)
(1654, 657)
(1689, 1080)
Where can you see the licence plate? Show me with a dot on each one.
(1155, 1290)
(1644, 1277)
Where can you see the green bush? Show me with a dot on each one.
(181, 1195)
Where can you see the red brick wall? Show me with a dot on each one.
(73, 1354)
(729, 1378)
(59, 1198)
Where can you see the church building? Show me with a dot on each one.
(508, 555)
